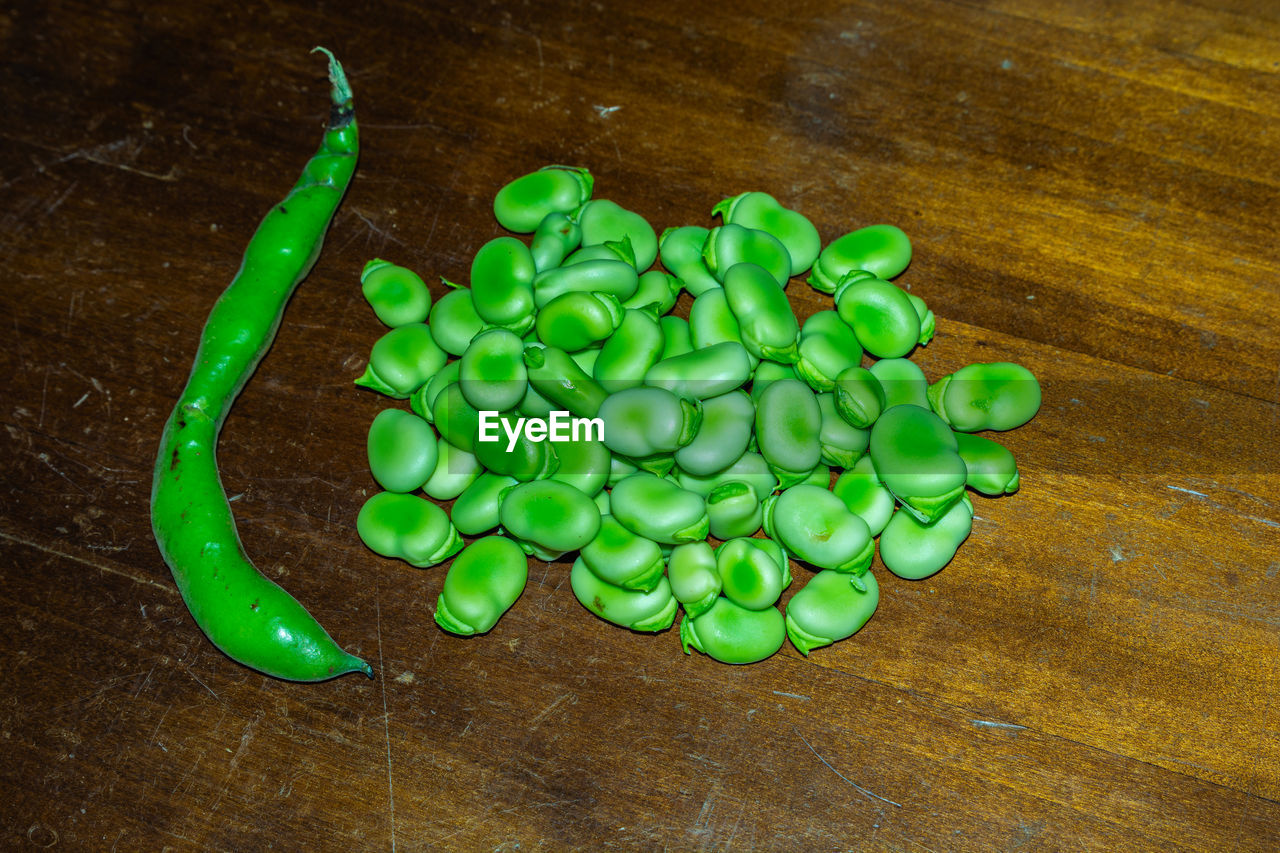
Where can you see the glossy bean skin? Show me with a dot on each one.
(882, 250)
(750, 467)
(695, 582)
(559, 379)
(656, 290)
(859, 396)
(815, 525)
(402, 361)
(402, 450)
(676, 337)
(525, 460)
(455, 470)
(990, 467)
(722, 437)
(628, 354)
(763, 212)
(553, 515)
(502, 284)
(711, 321)
(484, 581)
(733, 510)
(916, 457)
(492, 373)
(842, 443)
(880, 314)
(702, 373)
(866, 497)
(609, 250)
(730, 633)
(749, 576)
(652, 611)
(423, 401)
(407, 527)
(555, 237)
(730, 245)
(475, 510)
(788, 429)
(584, 464)
(913, 550)
(768, 372)
(622, 558)
(397, 295)
(641, 422)
(998, 396)
(658, 509)
(602, 275)
(832, 606)
(601, 220)
(902, 381)
(576, 321)
(770, 547)
(766, 323)
(827, 347)
(457, 421)
(681, 252)
(524, 203)
(454, 321)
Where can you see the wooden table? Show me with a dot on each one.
(1091, 190)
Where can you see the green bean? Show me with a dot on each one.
(640, 422)
(557, 378)
(424, 399)
(455, 419)
(730, 245)
(586, 358)
(656, 289)
(788, 430)
(704, 373)
(402, 450)
(832, 606)
(622, 558)
(397, 295)
(492, 372)
(865, 496)
(711, 321)
(614, 277)
(768, 372)
(989, 466)
(750, 577)
(880, 314)
(681, 251)
(603, 220)
(827, 347)
(619, 469)
(763, 212)
(454, 321)
(882, 250)
(691, 570)
(609, 250)
(584, 464)
(734, 510)
(730, 633)
(842, 443)
(550, 514)
(819, 476)
(722, 436)
(525, 202)
(502, 275)
(928, 323)
(913, 550)
(915, 455)
(402, 360)
(407, 527)
(601, 501)
(658, 509)
(816, 526)
(902, 381)
(504, 448)
(533, 404)
(455, 470)
(773, 549)
(860, 397)
(998, 396)
(676, 337)
(576, 321)
(750, 468)
(556, 236)
(475, 510)
(485, 580)
(638, 610)
(628, 354)
(765, 321)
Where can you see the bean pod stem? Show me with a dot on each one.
(246, 615)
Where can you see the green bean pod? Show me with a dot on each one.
(397, 295)
(766, 322)
(423, 401)
(559, 379)
(789, 429)
(525, 202)
(614, 277)
(576, 321)
(492, 372)
(730, 633)
(407, 527)
(656, 289)
(749, 576)
(505, 446)
(832, 606)
(750, 467)
(502, 275)
(653, 611)
(827, 347)
(816, 526)
(865, 496)
(454, 321)
(455, 470)
(880, 314)
(628, 354)
(990, 467)
(555, 237)
(842, 443)
(730, 245)
(703, 373)
(860, 397)
(733, 510)
(584, 464)
(402, 450)
(402, 361)
(475, 510)
(677, 339)
(915, 455)
(641, 422)
(622, 558)
(902, 381)
(763, 212)
(998, 396)
(882, 250)
(913, 550)
(603, 220)
(695, 583)
(659, 509)
(485, 580)
(722, 437)
(551, 514)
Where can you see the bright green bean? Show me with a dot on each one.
(750, 467)
(586, 358)
(659, 509)
(733, 510)
(695, 583)
(928, 323)
(788, 430)
(657, 290)
(730, 245)
(407, 527)
(902, 381)
(525, 202)
(550, 514)
(832, 606)
(768, 372)
(730, 633)
(455, 470)
(622, 558)
(882, 250)
(402, 450)
(603, 220)
(628, 354)
(763, 212)
(455, 419)
(750, 577)
(641, 422)
(475, 510)
(584, 464)
(915, 455)
(576, 321)
(860, 397)
(502, 275)
(402, 361)
(485, 580)
(990, 467)
(704, 373)
(638, 610)
(559, 379)
(492, 372)
(556, 236)
(424, 399)
(816, 526)
(523, 457)
(711, 321)
(998, 396)
(864, 495)
(842, 443)
(602, 275)
(397, 295)
(609, 250)
(722, 436)
(765, 320)
(880, 314)
(675, 333)
(454, 321)
(681, 250)
(913, 550)
(827, 347)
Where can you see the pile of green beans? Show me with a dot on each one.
(730, 442)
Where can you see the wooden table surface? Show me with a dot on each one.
(1091, 189)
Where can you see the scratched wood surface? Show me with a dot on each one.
(1091, 189)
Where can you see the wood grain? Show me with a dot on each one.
(1091, 190)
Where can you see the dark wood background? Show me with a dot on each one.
(1091, 189)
